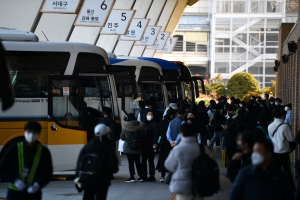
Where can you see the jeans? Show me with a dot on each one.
(134, 159)
(214, 139)
(150, 158)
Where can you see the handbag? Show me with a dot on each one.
(292, 145)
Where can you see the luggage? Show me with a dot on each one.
(224, 158)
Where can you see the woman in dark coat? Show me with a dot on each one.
(204, 120)
(165, 146)
(148, 153)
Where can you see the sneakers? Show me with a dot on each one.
(141, 179)
(130, 180)
(162, 179)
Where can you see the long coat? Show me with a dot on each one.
(165, 146)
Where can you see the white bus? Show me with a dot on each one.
(62, 85)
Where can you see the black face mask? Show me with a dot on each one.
(191, 119)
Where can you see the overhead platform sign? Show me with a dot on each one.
(160, 40)
(118, 22)
(149, 36)
(66, 6)
(94, 12)
(136, 30)
(169, 46)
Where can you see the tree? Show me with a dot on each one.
(208, 88)
(219, 89)
(248, 96)
(242, 83)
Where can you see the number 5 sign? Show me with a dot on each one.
(160, 41)
(94, 12)
(118, 22)
(136, 30)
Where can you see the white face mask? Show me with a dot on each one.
(241, 105)
(271, 103)
(257, 159)
(149, 117)
(286, 108)
(276, 103)
(30, 137)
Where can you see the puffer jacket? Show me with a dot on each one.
(180, 162)
(127, 129)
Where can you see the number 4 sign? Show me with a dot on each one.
(160, 40)
(136, 30)
(169, 46)
(94, 12)
(118, 22)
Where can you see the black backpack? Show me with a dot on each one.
(90, 168)
(115, 130)
(137, 141)
(205, 173)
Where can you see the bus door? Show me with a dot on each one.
(75, 108)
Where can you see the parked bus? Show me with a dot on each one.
(179, 81)
(148, 77)
(64, 87)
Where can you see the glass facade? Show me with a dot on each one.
(244, 37)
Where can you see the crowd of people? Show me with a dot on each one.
(256, 137)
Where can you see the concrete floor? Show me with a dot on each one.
(119, 190)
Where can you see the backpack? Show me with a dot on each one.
(89, 168)
(205, 173)
(265, 132)
(116, 130)
(137, 141)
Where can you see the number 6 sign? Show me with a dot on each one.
(94, 12)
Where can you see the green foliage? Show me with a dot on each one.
(219, 89)
(273, 87)
(241, 84)
(248, 96)
(206, 100)
(208, 88)
(270, 90)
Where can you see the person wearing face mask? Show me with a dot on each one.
(28, 177)
(242, 159)
(165, 146)
(193, 121)
(280, 134)
(262, 180)
(97, 186)
(261, 131)
(272, 106)
(150, 147)
(288, 116)
(219, 120)
(242, 109)
(233, 126)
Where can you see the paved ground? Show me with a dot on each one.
(120, 190)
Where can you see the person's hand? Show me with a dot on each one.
(173, 144)
(155, 146)
(34, 188)
(237, 156)
(225, 127)
(20, 184)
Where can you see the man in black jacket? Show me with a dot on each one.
(218, 122)
(27, 166)
(101, 146)
(234, 125)
(261, 180)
